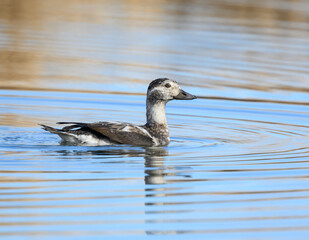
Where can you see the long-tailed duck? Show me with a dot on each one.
(154, 133)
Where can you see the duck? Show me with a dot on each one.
(154, 133)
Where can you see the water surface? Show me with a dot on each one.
(237, 166)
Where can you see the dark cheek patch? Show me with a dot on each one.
(155, 96)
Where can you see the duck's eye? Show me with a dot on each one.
(167, 85)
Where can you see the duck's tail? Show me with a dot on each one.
(65, 136)
(50, 129)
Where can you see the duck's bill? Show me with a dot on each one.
(183, 95)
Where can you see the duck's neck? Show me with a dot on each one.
(156, 113)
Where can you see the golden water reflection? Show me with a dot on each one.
(50, 43)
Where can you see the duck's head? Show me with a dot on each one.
(164, 89)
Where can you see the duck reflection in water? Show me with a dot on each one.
(155, 173)
(154, 165)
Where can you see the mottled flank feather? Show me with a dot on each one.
(117, 132)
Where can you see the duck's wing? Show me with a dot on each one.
(124, 133)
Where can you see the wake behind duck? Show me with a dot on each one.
(154, 133)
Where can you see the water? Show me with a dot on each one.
(237, 166)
